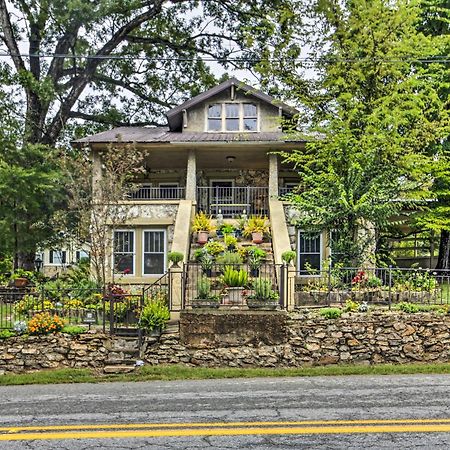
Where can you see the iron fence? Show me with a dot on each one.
(233, 201)
(384, 286)
(206, 287)
(157, 193)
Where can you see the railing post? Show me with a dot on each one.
(283, 286)
(390, 287)
(176, 288)
(329, 285)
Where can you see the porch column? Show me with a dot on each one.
(273, 176)
(191, 176)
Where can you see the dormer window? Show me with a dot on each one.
(232, 117)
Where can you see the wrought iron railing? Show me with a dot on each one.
(157, 193)
(233, 201)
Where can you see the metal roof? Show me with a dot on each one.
(163, 135)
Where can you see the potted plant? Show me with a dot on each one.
(202, 225)
(175, 258)
(205, 299)
(206, 262)
(230, 241)
(256, 227)
(288, 256)
(255, 257)
(264, 297)
(154, 317)
(235, 281)
(226, 229)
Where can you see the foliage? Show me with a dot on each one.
(20, 326)
(229, 258)
(288, 256)
(234, 278)
(363, 280)
(5, 334)
(204, 290)
(351, 306)
(415, 280)
(73, 330)
(330, 313)
(227, 228)
(202, 222)
(230, 241)
(256, 224)
(45, 323)
(154, 315)
(206, 261)
(175, 257)
(255, 256)
(214, 248)
(264, 291)
(30, 303)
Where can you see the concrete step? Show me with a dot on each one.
(119, 369)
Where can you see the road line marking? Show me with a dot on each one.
(17, 429)
(230, 432)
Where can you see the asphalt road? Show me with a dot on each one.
(408, 412)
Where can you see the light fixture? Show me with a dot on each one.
(230, 159)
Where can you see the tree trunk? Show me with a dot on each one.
(444, 251)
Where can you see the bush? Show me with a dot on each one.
(408, 307)
(288, 256)
(351, 306)
(175, 257)
(73, 330)
(331, 313)
(263, 288)
(234, 278)
(229, 258)
(203, 288)
(5, 334)
(45, 323)
(30, 303)
(202, 222)
(213, 248)
(154, 315)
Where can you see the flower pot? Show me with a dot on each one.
(254, 272)
(257, 237)
(20, 282)
(235, 295)
(262, 304)
(204, 303)
(156, 332)
(202, 237)
(207, 272)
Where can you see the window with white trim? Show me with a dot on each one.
(232, 117)
(81, 254)
(57, 257)
(124, 252)
(154, 252)
(309, 251)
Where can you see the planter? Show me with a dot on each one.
(254, 272)
(262, 304)
(235, 295)
(257, 237)
(156, 332)
(366, 296)
(204, 303)
(202, 237)
(20, 282)
(207, 272)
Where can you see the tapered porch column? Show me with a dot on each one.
(273, 176)
(191, 176)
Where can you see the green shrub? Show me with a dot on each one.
(30, 303)
(413, 308)
(230, 241)
(5, 334)
(288, 256)
(408, 307)
(155, 315)
(331, 313)
(263, 288)
(214, 248)
(351, 306)
(230, 258)
(203, 288)
(73, 330)
(234, 278)
(175, 257)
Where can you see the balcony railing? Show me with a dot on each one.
(157, 193)
(233, 201)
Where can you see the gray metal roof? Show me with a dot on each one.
(174, 116)
(163, 135)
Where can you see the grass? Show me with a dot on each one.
(178, 372)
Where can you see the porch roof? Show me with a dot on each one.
(163, 135)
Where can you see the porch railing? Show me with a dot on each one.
(157, 193)
(233, 201)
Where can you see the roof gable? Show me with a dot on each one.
(175, 115)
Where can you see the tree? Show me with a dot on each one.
(376, 110)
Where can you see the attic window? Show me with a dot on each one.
(232, 117)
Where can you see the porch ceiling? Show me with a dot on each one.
(245, 158)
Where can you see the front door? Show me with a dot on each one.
(221, 195)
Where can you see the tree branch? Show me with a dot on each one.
(116, 123)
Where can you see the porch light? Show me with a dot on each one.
(230, 159)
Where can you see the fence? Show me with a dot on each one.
(158, 193)
(384, 286)
(233, 201)
(208, 287)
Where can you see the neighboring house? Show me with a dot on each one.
(55, 261)
(217, 153)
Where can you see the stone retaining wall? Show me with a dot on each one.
(227, 339)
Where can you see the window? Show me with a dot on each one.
(154, 253)
(250, 117)
(309, 251)
(57, 257)
(123, 252)
(215, 117)
(81, 254)
(232, 117)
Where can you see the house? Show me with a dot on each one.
(217, 154)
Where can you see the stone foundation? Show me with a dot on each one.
(251, 339)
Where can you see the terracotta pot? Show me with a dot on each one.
(20, 282)
(202, 237)
(257, 238)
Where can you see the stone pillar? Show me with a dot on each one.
(191, 176)
(176, 288)
(291, 289)
(273, 176)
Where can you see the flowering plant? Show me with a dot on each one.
(45, 323)
(20, 326)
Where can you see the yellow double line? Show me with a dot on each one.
(148, 430)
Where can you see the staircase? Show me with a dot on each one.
(124, 353)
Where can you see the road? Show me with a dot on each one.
(408, 412)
